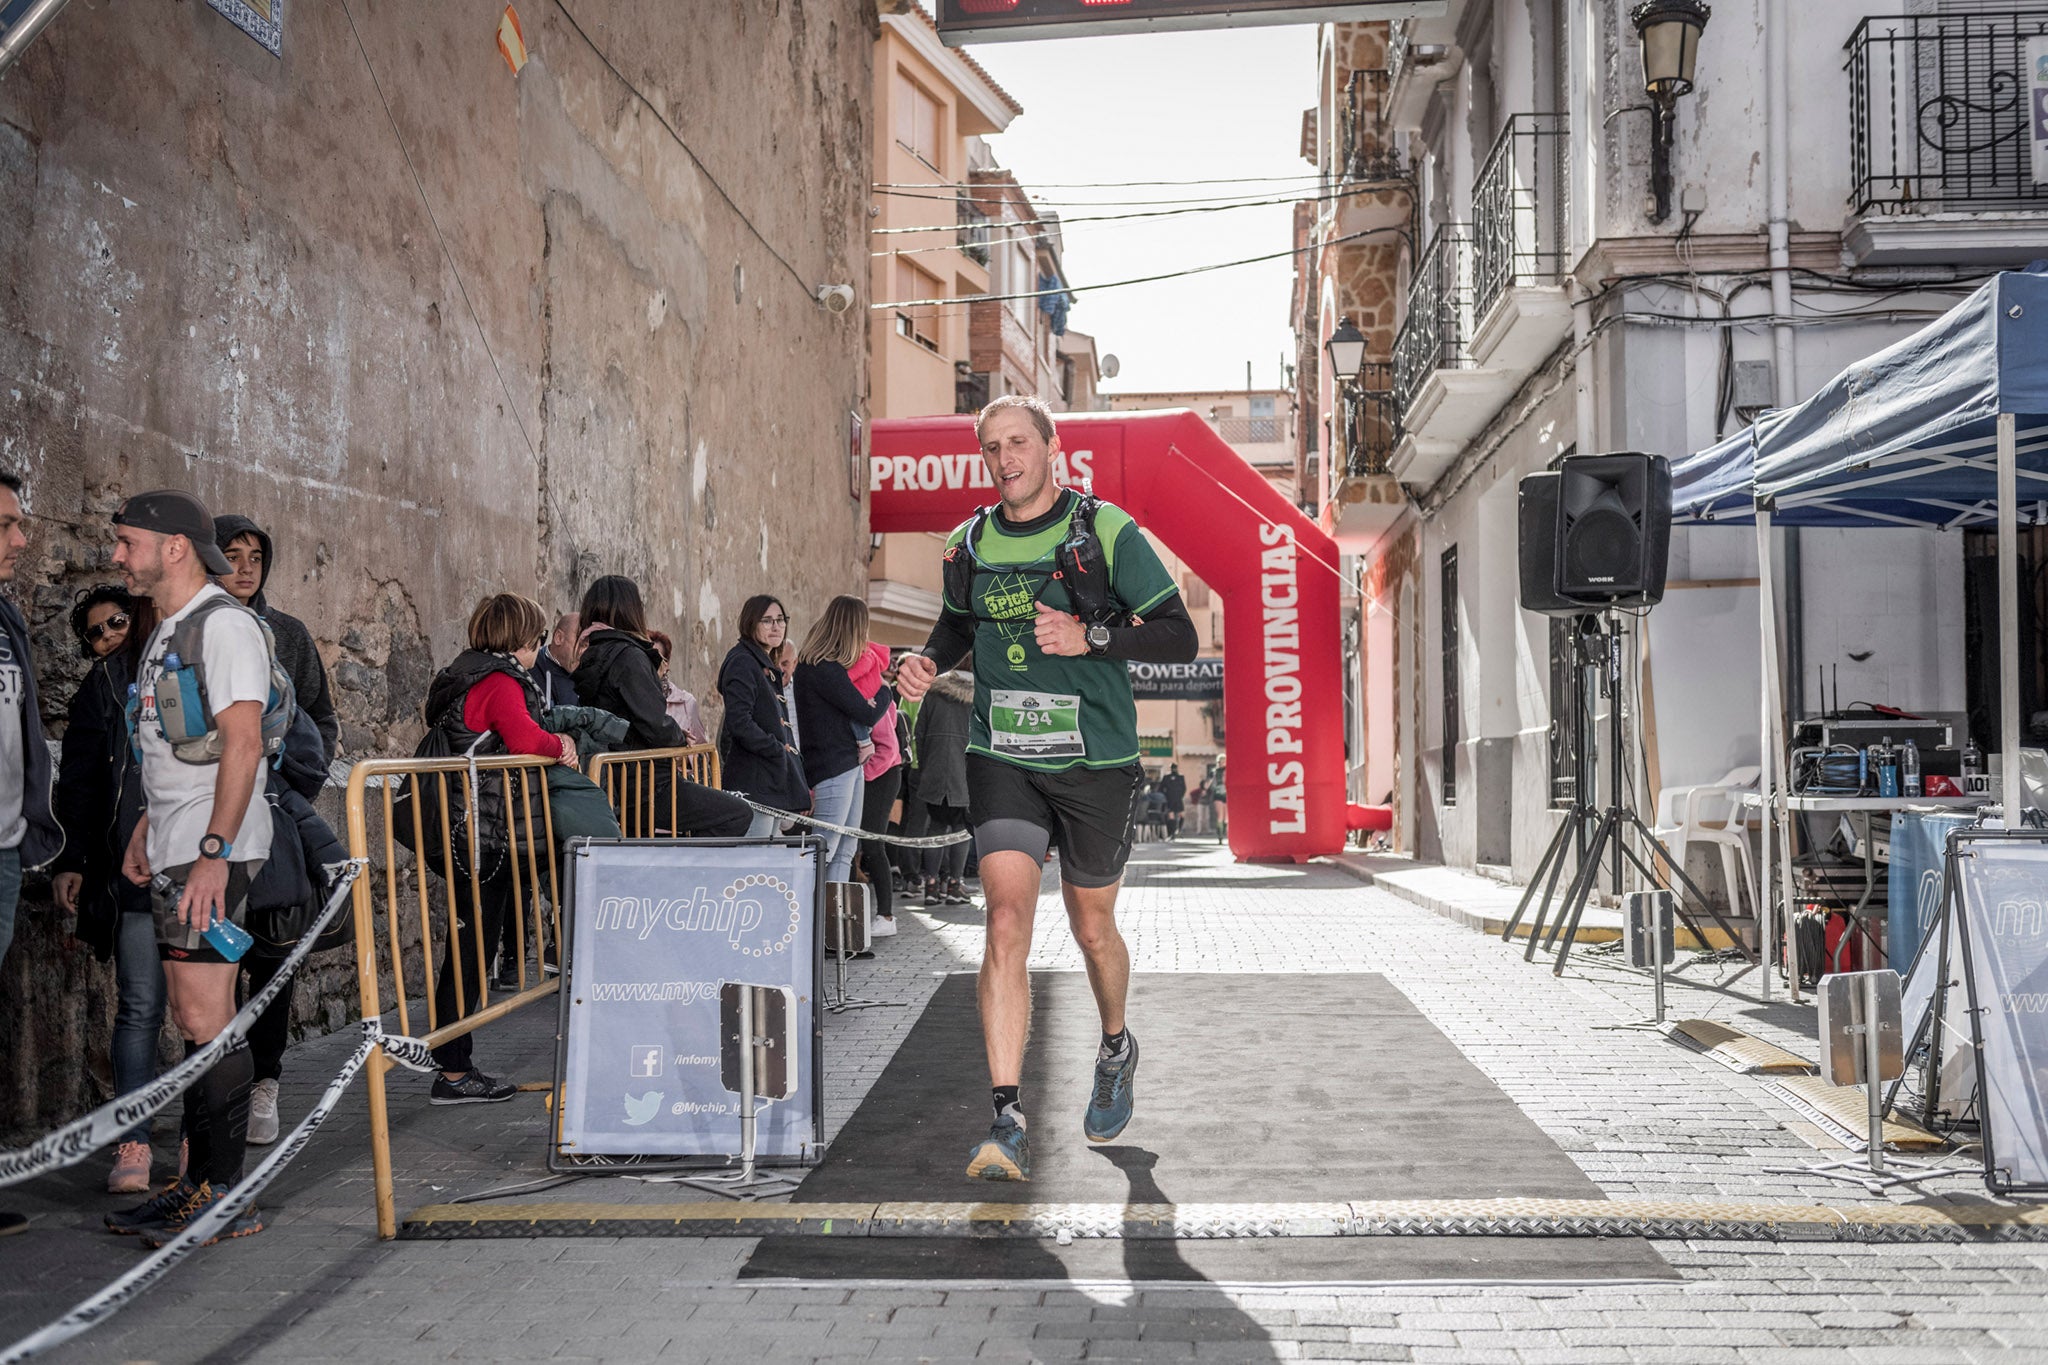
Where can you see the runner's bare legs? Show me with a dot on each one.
(1009, 883)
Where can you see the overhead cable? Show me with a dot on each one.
(1143, 279)
(1363, 187)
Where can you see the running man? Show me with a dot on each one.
(1051, 591)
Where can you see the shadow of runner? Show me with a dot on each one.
(1188, 1315)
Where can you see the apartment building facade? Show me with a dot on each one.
(973, 272)
(1840, 173)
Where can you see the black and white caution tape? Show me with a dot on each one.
(79, 1139)
(898, 840)
(118, 1295)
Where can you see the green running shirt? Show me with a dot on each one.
(1043, 711)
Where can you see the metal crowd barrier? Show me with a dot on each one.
(642, 789)
(643, 785)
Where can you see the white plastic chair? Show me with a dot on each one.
(1712, 814)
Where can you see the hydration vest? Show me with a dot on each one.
(184, 712)
(1080, 565)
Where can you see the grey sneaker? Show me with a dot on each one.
(1006, 1155)
(1116, 1084)
(263, 1113)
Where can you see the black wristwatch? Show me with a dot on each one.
(213, 846)
(1098, 640)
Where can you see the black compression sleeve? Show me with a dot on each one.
(1166, 637)
(952, 638)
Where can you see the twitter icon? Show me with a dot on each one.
(643, 1109)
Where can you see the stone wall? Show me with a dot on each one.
(444, 330)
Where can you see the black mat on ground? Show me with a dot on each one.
(1251, 1089)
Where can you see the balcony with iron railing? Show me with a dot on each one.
(1370, 425)
(973, 235)
(1368, 148)
(1443, 394)
(1520, 205)
(1438, 324)
(1940, 157)
(1520, 208)
(1253, 431)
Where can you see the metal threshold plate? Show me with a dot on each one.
(1687, 1219)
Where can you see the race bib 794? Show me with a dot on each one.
(1035, 725)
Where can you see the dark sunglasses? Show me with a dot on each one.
(118, 621)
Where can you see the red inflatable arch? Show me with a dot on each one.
(1275, 570)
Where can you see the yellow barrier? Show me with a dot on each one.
(643, 785)
(637, 786)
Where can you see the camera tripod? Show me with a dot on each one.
(1586, 832)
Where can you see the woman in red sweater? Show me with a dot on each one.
(486, 700)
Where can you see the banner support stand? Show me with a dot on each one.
(747, 1182)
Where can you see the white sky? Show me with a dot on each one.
(1169, 106)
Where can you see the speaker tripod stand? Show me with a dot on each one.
(1586, 833)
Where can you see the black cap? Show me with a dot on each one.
(174, 512)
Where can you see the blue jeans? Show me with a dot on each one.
(138, 1007)
(10, 895)
(837, 801)
(762, 826)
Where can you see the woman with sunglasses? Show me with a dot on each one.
(99, 802)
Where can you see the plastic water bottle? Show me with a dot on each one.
(1909, 769)
(1885, 760)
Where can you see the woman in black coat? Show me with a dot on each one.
(99, 803)
(619, 673)
(756, 747)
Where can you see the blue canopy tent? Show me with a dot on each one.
(1947, 427)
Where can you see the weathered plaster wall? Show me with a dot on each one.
(442, 329)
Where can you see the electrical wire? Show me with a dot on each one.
(1042, 202)
(1096, 184)
(1372, 187)
(802, 282)
(1142, 279)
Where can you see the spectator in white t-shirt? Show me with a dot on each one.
(206, 829)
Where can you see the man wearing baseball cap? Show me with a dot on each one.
(205, 828)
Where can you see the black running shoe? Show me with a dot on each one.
(12, 1222)
(166, 1207)
(244, 1224)
(473, 1088)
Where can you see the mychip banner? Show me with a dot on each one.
(2002, 886)
(660, 928)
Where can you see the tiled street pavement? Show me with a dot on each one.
(1641, 1117)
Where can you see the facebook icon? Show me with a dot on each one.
(646, 1063)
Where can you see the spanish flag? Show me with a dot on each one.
(511, 42)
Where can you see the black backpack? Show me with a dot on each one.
(483, 799)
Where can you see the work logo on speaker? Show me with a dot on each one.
(661, 930)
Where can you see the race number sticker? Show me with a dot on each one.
(1035, 725)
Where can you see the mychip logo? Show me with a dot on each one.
(757, 914)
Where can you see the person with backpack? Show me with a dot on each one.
(620, 672)
(99, 802)
(486, 703)
(1051, 592)
(205, 699)
(757, 751)
(249, 551)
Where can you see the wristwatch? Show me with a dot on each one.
(213, 846)
(1098, 640)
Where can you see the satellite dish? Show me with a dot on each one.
(1110, 365)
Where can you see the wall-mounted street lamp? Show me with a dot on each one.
(1670, 34)
(1347, 353)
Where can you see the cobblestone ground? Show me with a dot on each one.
(1641, 1116)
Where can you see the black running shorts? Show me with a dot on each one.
(1084, 812)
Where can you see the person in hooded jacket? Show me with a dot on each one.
(251, 556)
(488, 689)
(99, 802)
(943, 722)
(757, 751)
(620, 672)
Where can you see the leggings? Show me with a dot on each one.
(874, 854)
(949, 862)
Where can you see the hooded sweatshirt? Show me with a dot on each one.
(295, 648)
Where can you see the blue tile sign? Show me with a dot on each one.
(262, 20)
(658, 928)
